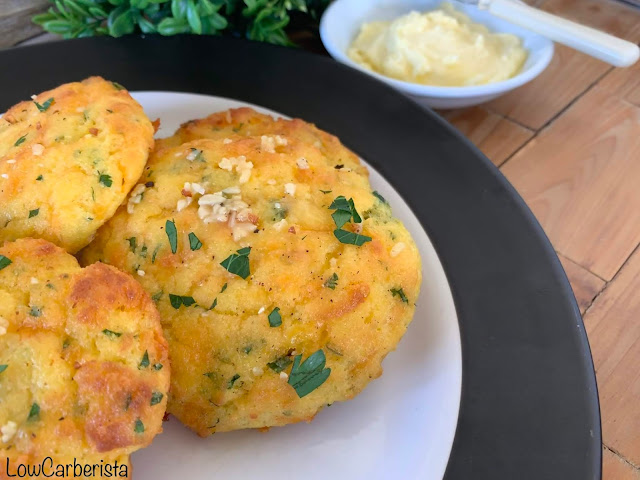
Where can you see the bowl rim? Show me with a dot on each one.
(495, 88)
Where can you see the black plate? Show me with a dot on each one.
(529, 400)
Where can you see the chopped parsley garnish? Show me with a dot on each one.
(155, 253)
(35, 311)
(238, 263)
(210, 375)
(157, 296)
(117, 86)
(350, 238)
(45, 106)
(66, 343)
(399, 293)
(39, 178)
(279, 364)
(232, 381)
(127, 402)
(213, 305)
(4, 262)
(143, 251)
(309, 375)
(111, 333)
(34, 413)
(279, 212)
(172, 235)
(247, 349)
(197, 157)
(194, 242)
(333, 349)
(105, 180)
(156, 398)
(224, 287)
(178, 300)
(326, 191)
(20, 141)
(342, 212)
(332, 282)
(3, 368)
(157, 366)
(144, 363)
(133, 244)
(139, 426)
(380, 197)
(275, 319)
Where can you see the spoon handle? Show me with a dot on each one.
(613, 50)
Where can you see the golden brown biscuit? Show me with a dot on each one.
(235, 240)
(84, 370)
(68, 158)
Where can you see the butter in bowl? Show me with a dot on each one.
(446, 55)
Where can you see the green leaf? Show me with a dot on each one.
(20, 141)
(34, 213)
(194, 242)
(111, 333)
(179, 9)
(172, 235)
(120, 22)
(206, 8)
(309, 375)
(354, 212)
(39, 178)
(193, 18)
(171, 26)
(146, 26)
(3, 368)
(144, 363)
(224, 287)
(157, 296)
(4, 262)
(351, 238)
(105, 179)
(213, 305)
(275, 319)
(332, 282)
(280, 363)
(133, 244)
(45, 106)
(177, 301)
(339, 203)
(118, 86)
(231, 382)
(399, 293)
(139, 426)
(340, 217)
(238, 263)
(155, 253)
(34, 413)
(157, 366)
(35, 311)
(156, 398)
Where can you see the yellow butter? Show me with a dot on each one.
(441, 47)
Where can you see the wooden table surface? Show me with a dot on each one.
(570, 144)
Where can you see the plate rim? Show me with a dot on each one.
(489, 443)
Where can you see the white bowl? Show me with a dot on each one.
(341, 23)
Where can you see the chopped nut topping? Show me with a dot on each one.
(268, 143)
(290, 189)
(34, 281)
(261, 311)
(257, 371)
(4, 175)
(280, 225)
(135, 197)
(228, 206)
(241, 165)
(141, 273)
(37, 149)
(8, 431)
(271, 182)
(302, 164)
(397, 248)
(11, 161)
(4, 324)
(227, 141)
(284, 376)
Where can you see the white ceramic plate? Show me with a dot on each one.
(402, 426)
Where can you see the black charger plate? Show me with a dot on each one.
(529, 407)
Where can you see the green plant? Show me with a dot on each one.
(263, 20)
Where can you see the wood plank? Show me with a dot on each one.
(15, 20)
(570, 73)
(580, 178)
(623, 82)
(615, 468)
(614, 333)
(585, 284)
(496, 136)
